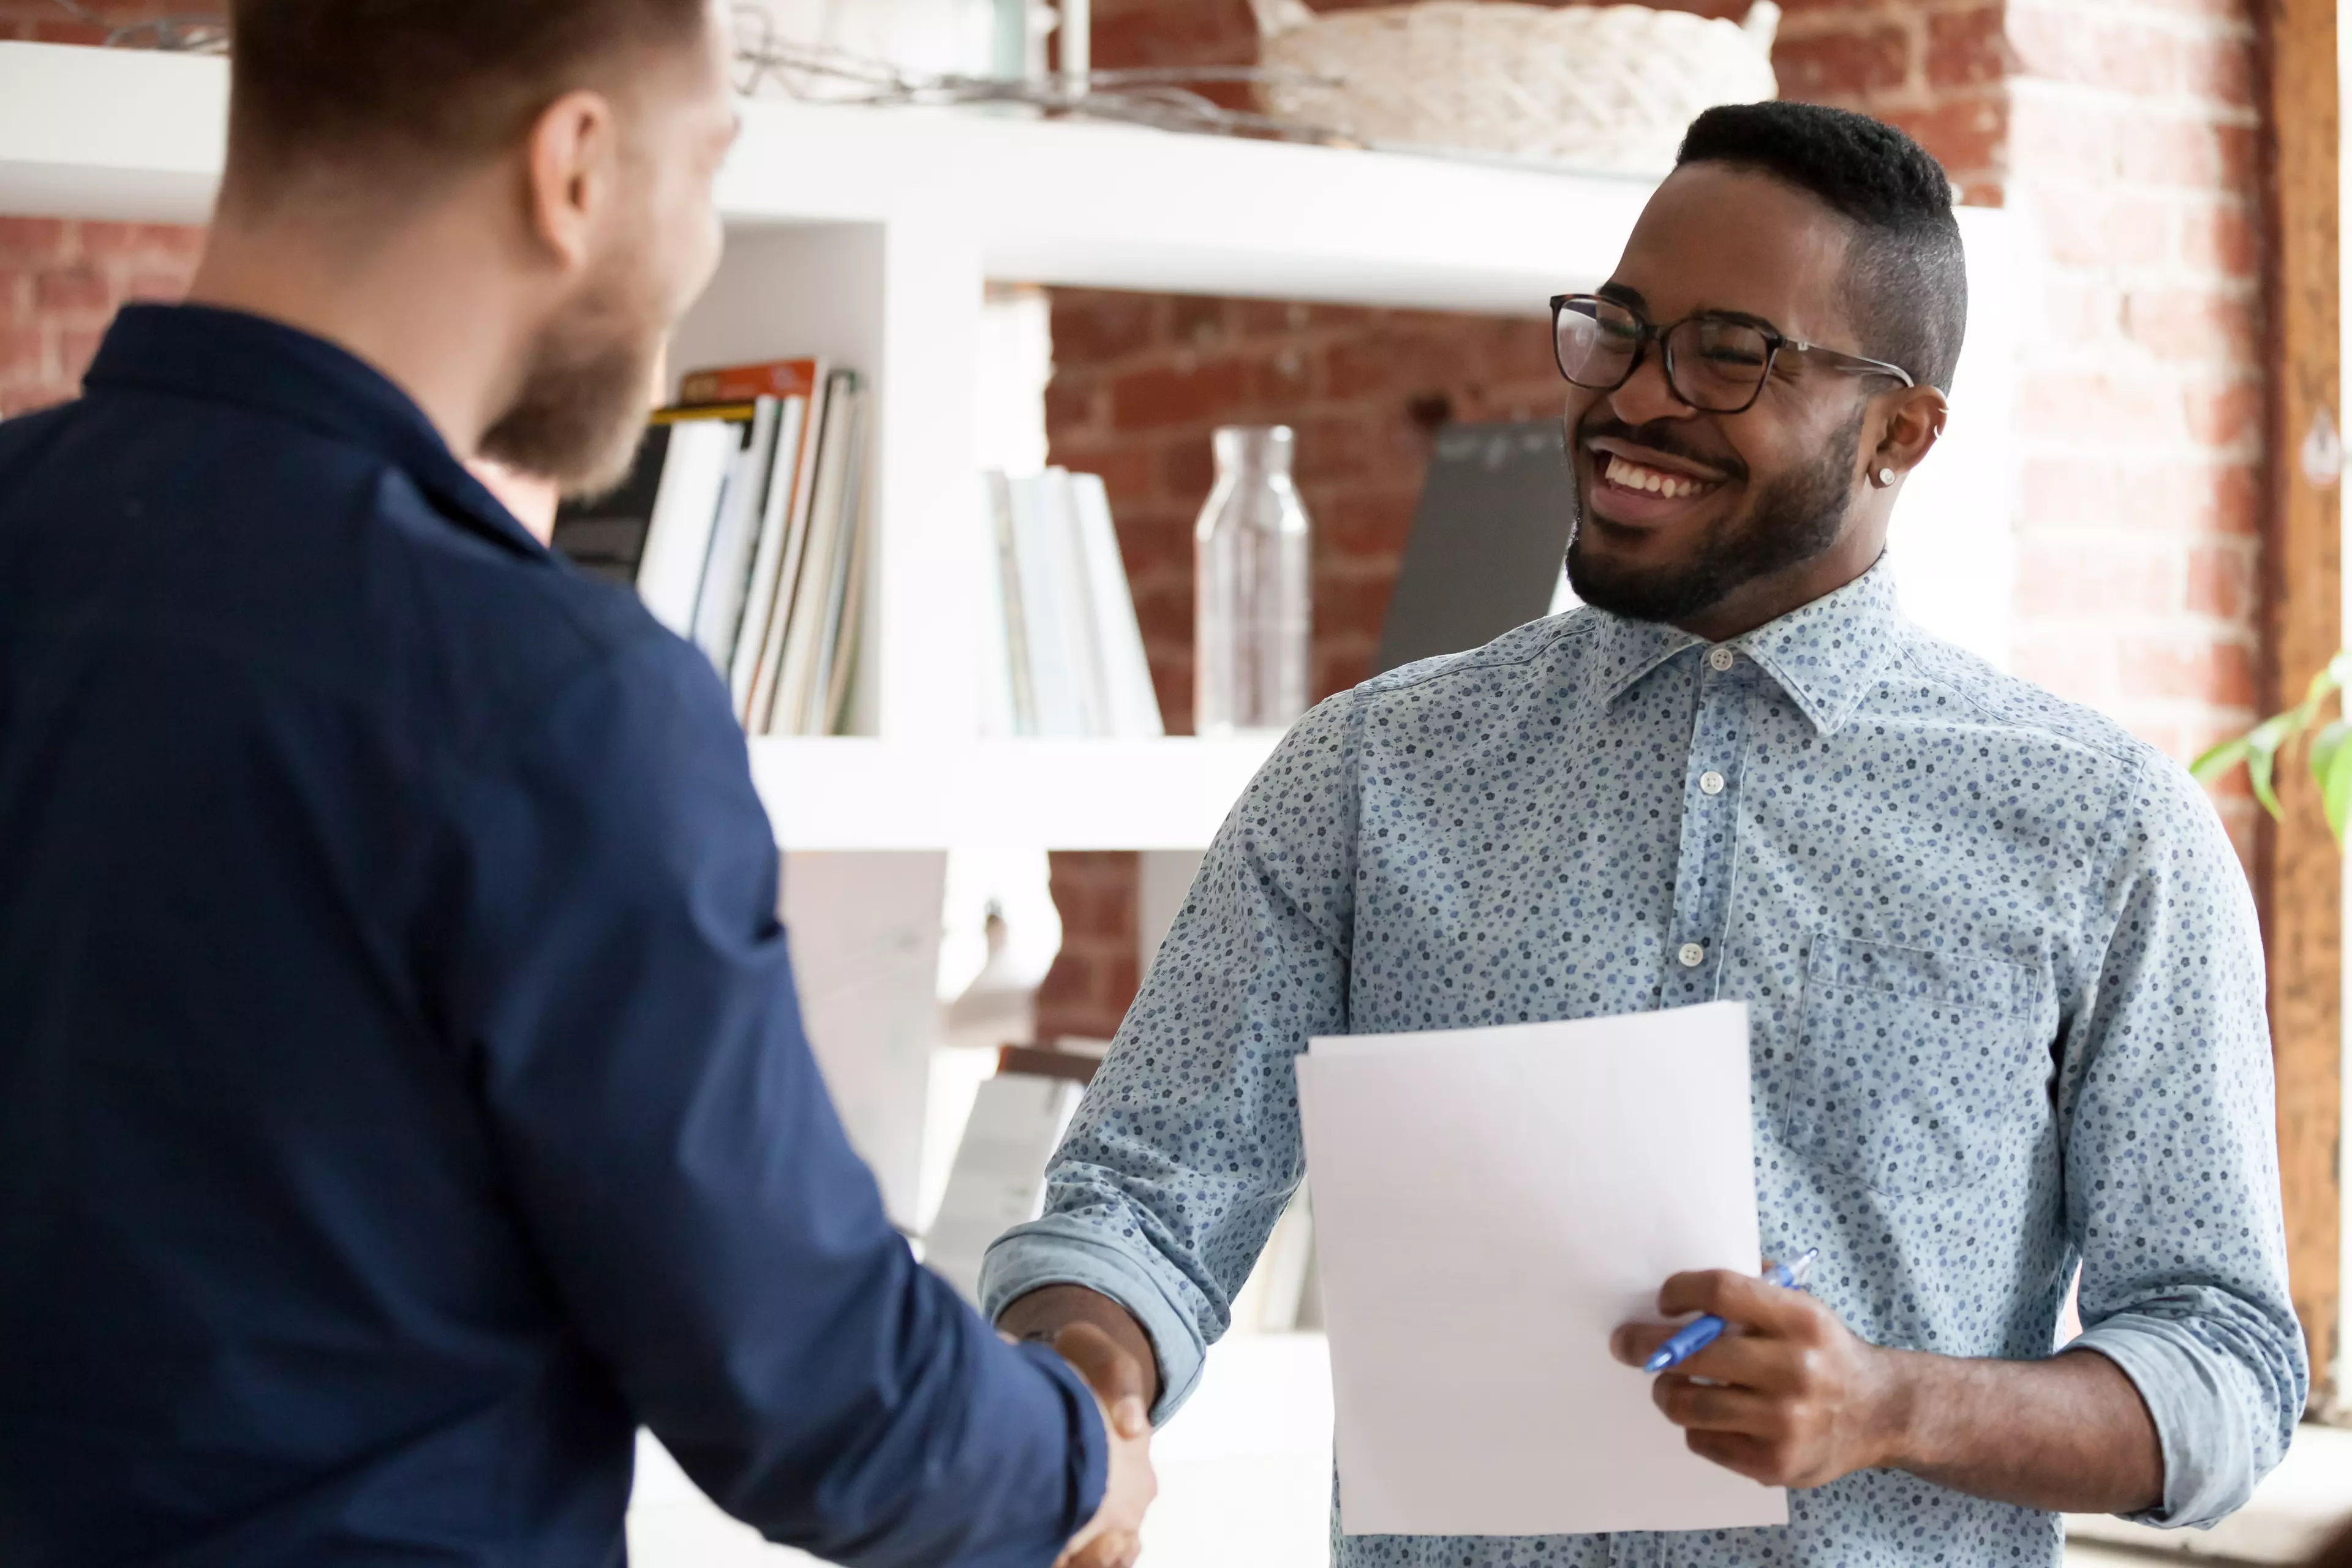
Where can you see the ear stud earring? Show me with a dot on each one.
(1886, 478)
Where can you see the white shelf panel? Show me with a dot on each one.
(129, 135)
(851, 793)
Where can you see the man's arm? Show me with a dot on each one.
(1187, 1147)
(2191, 1376)
(623, 990)
(1796, 1400)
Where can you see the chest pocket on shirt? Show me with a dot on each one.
(1914, 1069)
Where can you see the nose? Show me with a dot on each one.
(1645, 395)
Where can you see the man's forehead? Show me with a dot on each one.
(1718, 237)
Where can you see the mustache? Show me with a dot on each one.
(1671, 437)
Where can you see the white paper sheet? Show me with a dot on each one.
(1489, 1205)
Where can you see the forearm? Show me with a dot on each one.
(2070, 1434)
(1043, 1313)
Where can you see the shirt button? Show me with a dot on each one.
(1710, 783)
(1719, 658)
(1692, 956)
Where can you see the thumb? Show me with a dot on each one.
(1111, 1372)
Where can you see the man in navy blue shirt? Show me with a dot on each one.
(402, 1095)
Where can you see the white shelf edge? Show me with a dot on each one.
(139, 136)
(863, 794)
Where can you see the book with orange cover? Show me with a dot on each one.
(742, 383)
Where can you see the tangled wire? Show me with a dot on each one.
(177, 35)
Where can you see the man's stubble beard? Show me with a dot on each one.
(581, 412)
(1793, 521)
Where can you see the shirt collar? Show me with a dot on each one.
(1825, 654)
(228, 356)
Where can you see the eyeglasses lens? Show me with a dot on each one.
(1595, 342)
(1718, 365)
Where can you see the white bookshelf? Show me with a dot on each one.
(869, 235)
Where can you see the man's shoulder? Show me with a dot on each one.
(1975, 693)
(1532, 651)
(310, 560)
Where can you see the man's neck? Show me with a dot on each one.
(424, 301)
(1762, 600)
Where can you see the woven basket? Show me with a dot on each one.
(1610, 88)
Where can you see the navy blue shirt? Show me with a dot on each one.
(403, 1094)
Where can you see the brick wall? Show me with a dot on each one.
(2122, 131)
(62, 282)
(2135, 156)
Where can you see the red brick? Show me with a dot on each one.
(2220, 582)
(1146, 399)
(32, 241)
(1071, 403)
(2219, 236)
(2094, 49)
(1093, 325)
(2086, 230)
(79, 289)
(1197, 320)
(1965, 134)
(2221, 673)
(1187, 469)
(167, 287)
(2221, 70)
(1969, 48)
(76, 346)
(2095, 406)
(1352, 603)
(2225, 415)
(1843, 64)
(24, 356)
(1369, 524)
(2192, 324)
(2058, 580)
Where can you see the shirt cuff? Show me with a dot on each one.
(2208, 1441)
(1056, 1251)
(1089, 1469)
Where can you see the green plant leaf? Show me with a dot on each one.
(2219, 758)
(2258, 767)
(2331, 766)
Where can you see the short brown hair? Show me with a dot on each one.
(441, 82)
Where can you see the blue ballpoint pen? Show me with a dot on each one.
(1700, 1333)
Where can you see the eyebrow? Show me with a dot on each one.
(1621, 294)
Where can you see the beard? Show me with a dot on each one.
(579, 414)
(1792, 519)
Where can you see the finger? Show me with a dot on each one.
(1740, 1299)
(1762, 1362)
(1711, 1407)
(1114, 1375)
(1634, 1343)
(1734, 1451)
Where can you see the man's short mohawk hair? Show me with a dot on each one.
(1907, 274)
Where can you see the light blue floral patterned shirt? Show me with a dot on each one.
(2005, 983)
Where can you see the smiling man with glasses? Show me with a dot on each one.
(2003, 973)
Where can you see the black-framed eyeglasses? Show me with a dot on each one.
(1717, 363)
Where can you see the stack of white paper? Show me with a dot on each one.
(1489, 1205)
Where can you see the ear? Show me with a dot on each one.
(1909, 425)
(573, 157)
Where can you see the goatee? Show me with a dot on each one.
(1792, 521)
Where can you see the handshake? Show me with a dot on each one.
(1109, 1350)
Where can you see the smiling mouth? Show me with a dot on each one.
(1625, 475)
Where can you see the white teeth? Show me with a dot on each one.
(1633, 475)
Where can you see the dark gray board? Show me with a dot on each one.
(1487, 540)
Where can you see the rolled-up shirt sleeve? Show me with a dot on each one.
(2171, 1159)
(1187, 1147)
(680, 1169)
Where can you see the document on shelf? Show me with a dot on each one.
(1489, 1205)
